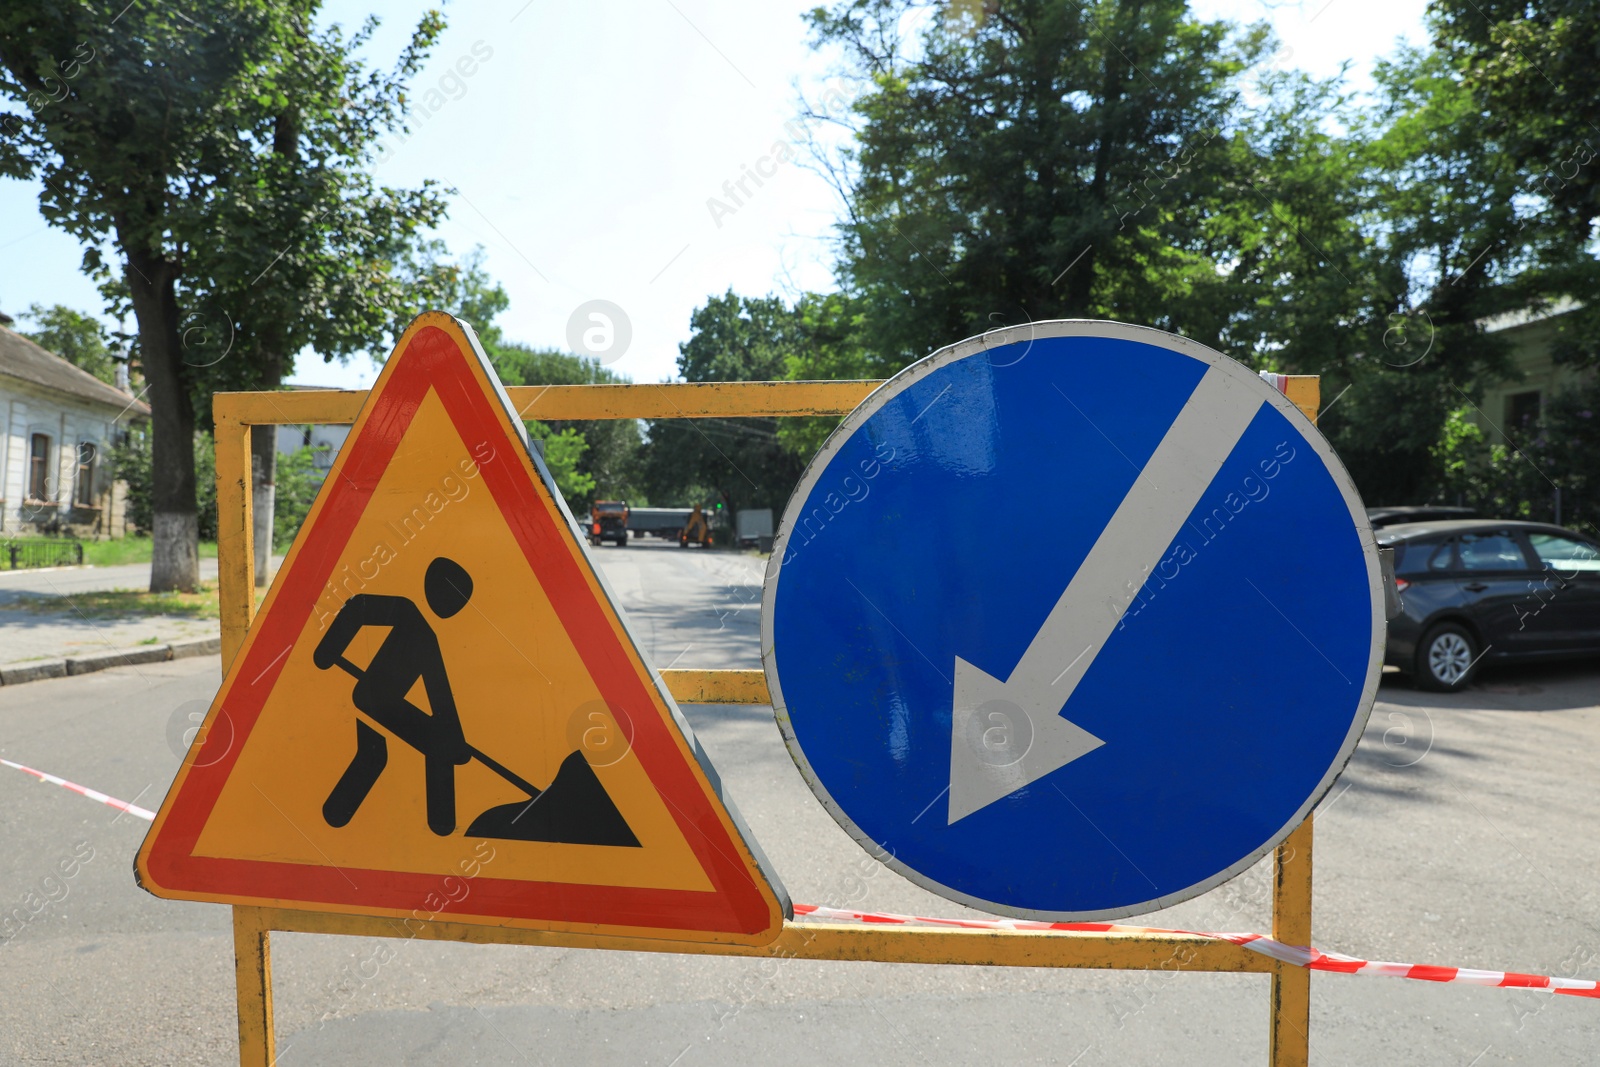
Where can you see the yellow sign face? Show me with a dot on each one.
(440, 709)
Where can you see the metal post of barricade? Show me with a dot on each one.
(236, 413)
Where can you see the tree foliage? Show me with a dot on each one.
(1031, 159)
(77, 338)
(1530, 72)
(1028, 160)
(220, 148)
(605, 452)
(299, 481)
(563, 454)
(828, 345)
(590, 460)
(132, 459)
(1379, 253)
(738, 463)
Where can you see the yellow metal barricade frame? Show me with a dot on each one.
(237, 413)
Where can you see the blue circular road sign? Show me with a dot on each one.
(1072, 621)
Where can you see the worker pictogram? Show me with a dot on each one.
(574, 808)
(438, 686)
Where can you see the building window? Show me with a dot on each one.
(1522, 411)
(39, 467)
(88, 455)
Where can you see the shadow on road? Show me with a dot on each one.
(1414, 738)
(1521, 687)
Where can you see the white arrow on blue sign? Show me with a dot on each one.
(1073, 621)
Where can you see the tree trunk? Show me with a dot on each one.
(264, 439)
(175, 521)
(264, 471)
(1080, 287)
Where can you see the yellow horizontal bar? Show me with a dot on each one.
(1304, 392)
(689, 400)
(826, 941)
(717, 687)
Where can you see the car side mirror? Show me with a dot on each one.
(1391, 592)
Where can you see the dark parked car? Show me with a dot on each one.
(1416, 513)
(1484, 589)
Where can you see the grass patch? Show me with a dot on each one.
(131, 550)
(125, 603)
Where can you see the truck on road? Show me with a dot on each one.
(662, 522)
(608, 521)
(754, 528)
(697, 531)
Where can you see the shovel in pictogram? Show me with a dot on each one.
(573, 809)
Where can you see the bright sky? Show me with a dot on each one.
(588, 137)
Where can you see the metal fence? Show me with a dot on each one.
(237, 413)
(39, 552)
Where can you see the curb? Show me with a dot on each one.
(33, 672)
(120, 657)
(198, 646)
(73, 666)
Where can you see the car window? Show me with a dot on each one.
(1497, 551)
(1442, 558)
(1565, 555)
(1420, 557)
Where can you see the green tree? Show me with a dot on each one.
(1530, 68)
(1530, 72)
(299, 481)
(1029, 159)
(590, 459)
(219, 147)
(131, 457)
(1365, 251)
(1038, 159)
(739, 463)
(563, 454)
(1569, 457)
(75, 337)
(205, 466)
(606, 467)
(346, 268)
(828, 346)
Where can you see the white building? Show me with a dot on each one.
(1511, 404)
(57, 427)
(324, 441)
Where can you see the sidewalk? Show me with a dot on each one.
(29, 637)
(35, 644)
(64, 581)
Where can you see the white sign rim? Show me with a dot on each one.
(908, 377)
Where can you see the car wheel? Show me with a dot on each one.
(1447, 659)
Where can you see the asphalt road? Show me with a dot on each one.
(1462, 834)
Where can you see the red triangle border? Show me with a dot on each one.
(434, 360)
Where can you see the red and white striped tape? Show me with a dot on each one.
(92, 794)
(1310, 958)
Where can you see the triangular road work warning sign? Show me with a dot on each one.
(440, 713)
